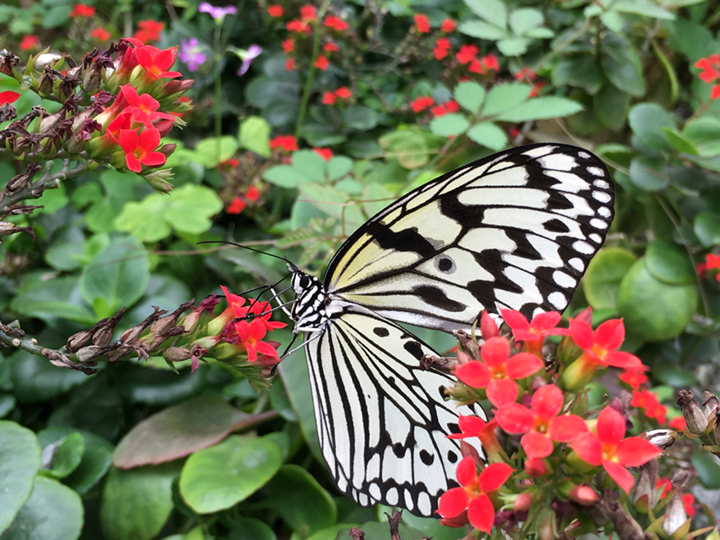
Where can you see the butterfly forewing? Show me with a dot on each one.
(515, 230)
(382, 420)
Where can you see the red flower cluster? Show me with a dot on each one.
(330, 97)
(448, 25)
(149, 30)
(82, 10)
(648, 401)
(527, 74)
(29, 42)
(239, 203)
(712, 262)
(710, 67)
(421, 103)
(324, 153)
(665, 486)
(286, 142)
(442, 48)
(100, 34)
(445, 108)
(335, 23)
(275, 10)
(422, 23)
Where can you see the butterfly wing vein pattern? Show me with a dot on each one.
(515, 230)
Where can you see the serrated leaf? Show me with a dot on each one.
(505, 96)
(285, 176)
(541, 108)
(255, 135)
(483, 30)
(469, 95)
(449, 125)
(488, 135)
(513, 46)
(493, 11)
(524, 19)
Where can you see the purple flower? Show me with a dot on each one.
(191, 53)
(217, 12)
(248, 56)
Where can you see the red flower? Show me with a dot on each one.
(290, 64)
(297, 25)
(144, 107)
(156, 62)
(252, 194)
(609, 449)
(526, 73)
(712, 262)
(448, 25)
(665, 486)
(645, 399)
(467, 54)
(490, 61)
(473, 495)
(452, 106)
(331, 47)
(532, 333)
(322, 63)
(149, 30)
(308, 13)
(288, 45)
(710, 72)
(28, 42)
(236, 206)
(422, 22)
(343, 92)
(677, 423)
(541, 424)
(275, 10)
(438, 110)
(8, 96)
(324, 153)
(286, 142)
(328, 98)
(635, 379)
(536, 89)
(442, 48)
(598, 351)
(140, 149)
(100, 34)
(472, 426)
(498, 372)
(336, 23)
(421, 103)
(82, 10)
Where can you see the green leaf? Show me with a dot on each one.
(669, 263)
(56, 16)
(541, 108)
(338, 166)
(643, 303)
(621, 64)
(707, 228)
(611, 106)
(255, 135)
(524, 19)
(53, 200)
(678, 142)
(302, 503)
(648, 174)
(707, 468)
(55, 298)
(180, 430)
(19, 461)
(582, 71)
(408, 147)
(601, 282)
(359, 117)
(488, 135)
(285, 176)
(482, 30)
(310, 165)
(452, 124)
(296, 379)
(190, 207)
(493, 11)
(251, 529)
(211, 151)
(118, 275)
(470, 95)
(505, 96)
(513, 46)
(333, 202)
(53, 512)
(35, 379)
(642, 8)
(144, 219)
(66, 248)
(219, 477)
(135, 504)
(647, 121)
(704, 134)
(62, 457)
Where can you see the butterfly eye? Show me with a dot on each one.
(445, 264)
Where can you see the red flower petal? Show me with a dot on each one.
(453, 502)
(545, 321)
(547, 402)
(133, 163)
(582, 334)
(514, 418)
(501, 392)
(634, 451)
(474, 373)
(537, 445)
(495, 351)
(623, 360)
(149, 139)
(514, 319)
(522, 365)
(610, 334)
(8, 96)
(610, 426)
(589, 448)
(466, 472)
(620, 474)
(471, 426)
(494, 476)
(265, 348)
(154, 159)
(481, 513)
(566, 428)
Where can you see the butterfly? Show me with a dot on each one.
(515, 230)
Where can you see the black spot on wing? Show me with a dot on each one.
(413, 347)
(445, 264)
(556, 226)
(468, 216)
(402, 240)
(426, 457)
(381, 331)
(452, 456)
(435, 296)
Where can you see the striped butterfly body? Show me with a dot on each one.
(515, 230)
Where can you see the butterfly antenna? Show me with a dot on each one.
(288, 353)
(290, 264)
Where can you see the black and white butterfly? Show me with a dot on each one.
(515, 230)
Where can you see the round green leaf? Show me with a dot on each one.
(310, 165)
(19, 462)
(408, 147)
(255, 135)
(672, 373)
(359, 117)
(190, 207)
(219, 477)
(581, 70)
(488, 135)
(647, 121)
(470, 95)
(285, 176)
(62, 457)
(606, 270)
(136, 503)
(212, 151)
(652, 309)
(707, 468)
(481, 29)
(524, 19)
(35, 379)
(648, 174)
(678, 142)
(66, 248)
(180, 430)
(704, 135)
(304, 505)
(338, 166)
(669, 263)
(707, 228)
(144, 219)
(251, 529)
(53, 512)
(621, 64)
(452, 124)
(611, 106)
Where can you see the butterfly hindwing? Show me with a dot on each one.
(382, 420)
(515, 230)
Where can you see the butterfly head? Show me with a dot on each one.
(308, 311)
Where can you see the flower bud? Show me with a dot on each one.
(90, 353)
(710, 404)
(584, 495)
(468, 344)
(645, 495)
(676, 519)
(547, 524)
(177, 354)
(47, 60)
(662, 438)
(694, 416)
(537, 467)
(45, 83)
(92, 79)
(167, 149)
(488, 326)
(522, 502)
(76, 341)
(158, 180)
